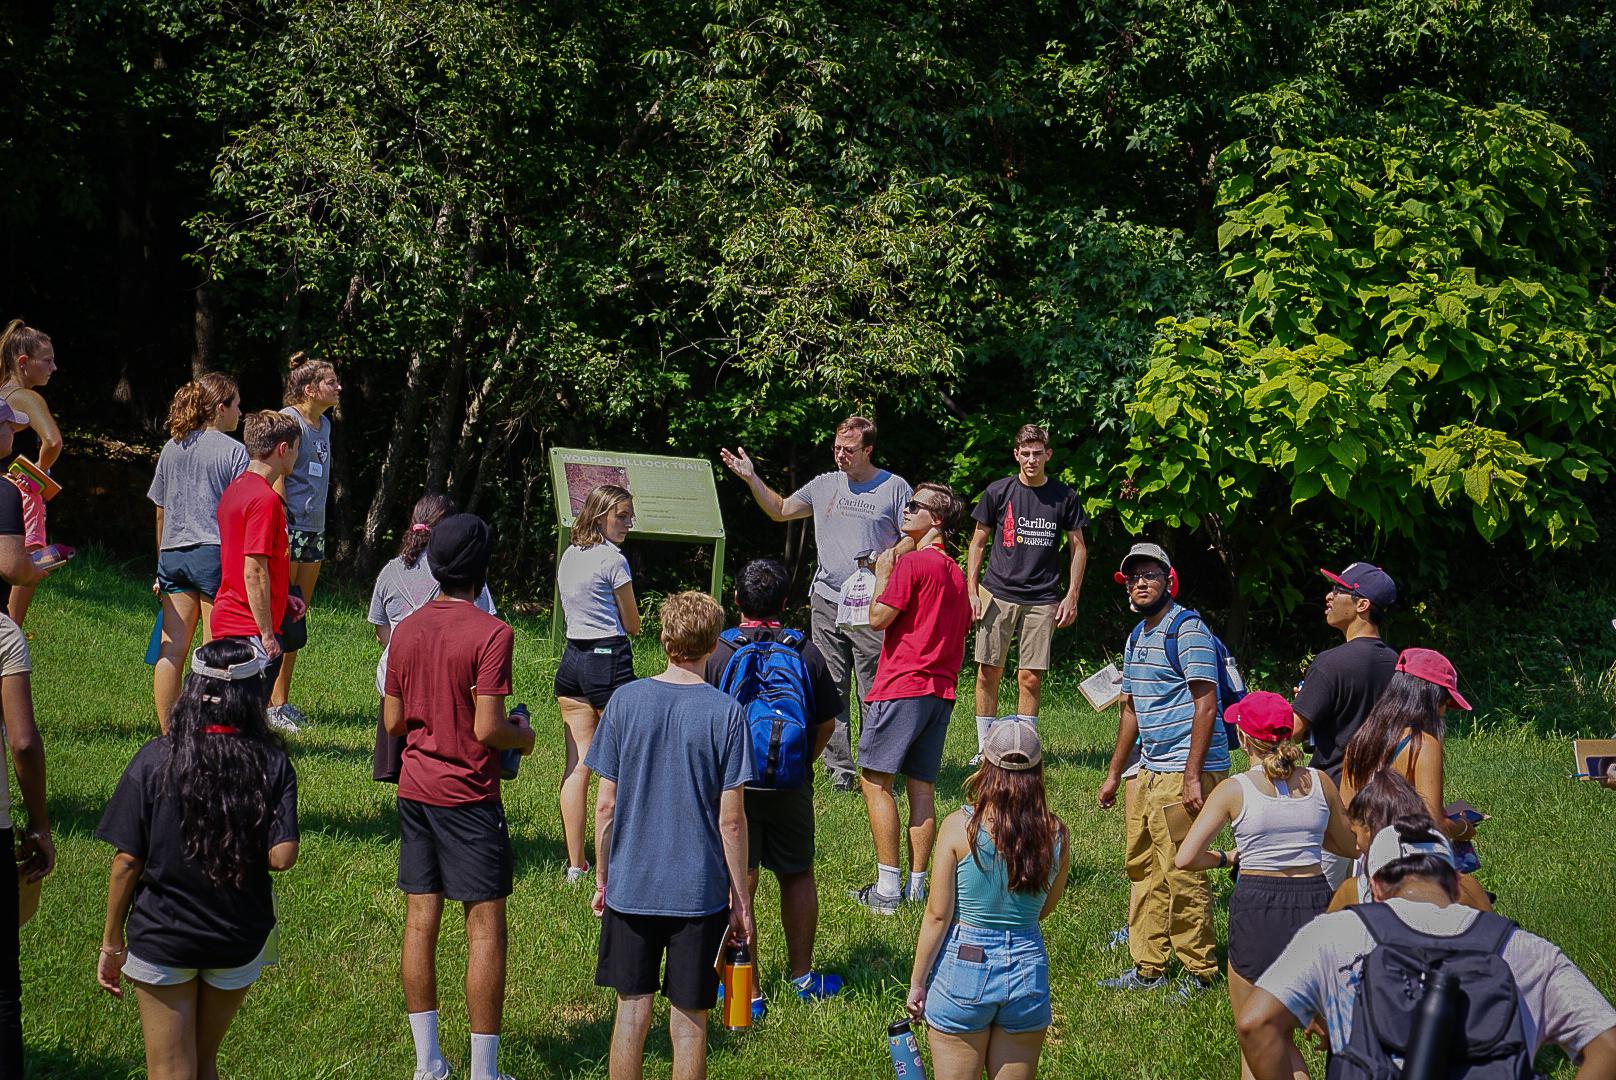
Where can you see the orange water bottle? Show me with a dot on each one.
(740, 983)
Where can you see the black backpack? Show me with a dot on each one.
(1491, 1041)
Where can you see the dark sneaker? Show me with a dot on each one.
(817, 985)
(877, 901)
(1191, 986)
(1132, 980)
(844, 781)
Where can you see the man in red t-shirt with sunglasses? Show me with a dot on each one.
(921, 603)
(253, 569)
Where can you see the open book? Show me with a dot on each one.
(1103, 688)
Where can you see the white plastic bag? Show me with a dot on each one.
(853, 609)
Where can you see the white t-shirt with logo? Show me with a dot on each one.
(850, 519)
(1319, 971)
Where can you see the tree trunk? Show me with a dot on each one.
(204, 332)
(392, 470)
(467, 462)
(443, 426)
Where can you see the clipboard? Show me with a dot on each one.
(1593, 757)
(48, 488)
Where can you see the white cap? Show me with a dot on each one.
(1387, 847)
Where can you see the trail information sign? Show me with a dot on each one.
(674, 499)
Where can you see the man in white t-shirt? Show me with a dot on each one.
(856, 510)
(1411, 871)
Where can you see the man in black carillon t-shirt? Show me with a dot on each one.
(1343, 684)
(1019, 523)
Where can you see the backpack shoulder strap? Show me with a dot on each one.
(1491, 931)
(1171, 641)
(1381, 922)
(792, 639)
(733, 637)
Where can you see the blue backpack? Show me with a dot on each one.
(1230, 686)
(770, 678)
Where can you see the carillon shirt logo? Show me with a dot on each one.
(852, 506)
(1033, 532)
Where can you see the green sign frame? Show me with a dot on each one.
(675, 499)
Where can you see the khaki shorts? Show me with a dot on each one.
(1033, 624)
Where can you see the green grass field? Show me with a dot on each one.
(333, 1007)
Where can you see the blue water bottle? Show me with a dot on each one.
(905, 1052)
(510, 760)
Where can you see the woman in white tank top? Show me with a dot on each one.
(1283, 817)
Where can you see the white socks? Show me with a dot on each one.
(982, 725)
(484, 1057)
(917, 885)
(424, 1029)
(887, 882)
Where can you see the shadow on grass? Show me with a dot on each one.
(57, 1063)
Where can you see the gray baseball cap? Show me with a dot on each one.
(1147, 551)
(1013, 743)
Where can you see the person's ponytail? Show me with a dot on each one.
(1278, 760)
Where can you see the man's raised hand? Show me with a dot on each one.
(738, 463)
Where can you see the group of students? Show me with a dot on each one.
(190, 914)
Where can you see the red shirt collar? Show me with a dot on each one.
(768, 624)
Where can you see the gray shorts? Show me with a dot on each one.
(905, 735)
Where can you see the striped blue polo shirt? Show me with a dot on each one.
(1161, 696)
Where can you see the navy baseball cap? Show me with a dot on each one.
(1370, 582)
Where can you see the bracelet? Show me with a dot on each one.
(114, 952)
(1223, 859)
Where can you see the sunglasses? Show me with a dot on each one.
(915, 505)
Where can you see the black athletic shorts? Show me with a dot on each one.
(593, 670)
(780, 829)
(631, 950)
(463, 852)
(1265, 913)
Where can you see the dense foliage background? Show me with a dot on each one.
(1292, 282)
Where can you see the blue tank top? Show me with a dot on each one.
(982, 896)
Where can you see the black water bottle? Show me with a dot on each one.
(1436, 1022)
(510, 759)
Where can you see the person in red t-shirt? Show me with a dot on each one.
(252, 601)
(922, 605)
(448, 675)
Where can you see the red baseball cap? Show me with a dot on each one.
(1433, 667)
(1263, 715)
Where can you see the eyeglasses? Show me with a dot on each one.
(915, 506)
(1342, 590)
(1146, 575)
(845, 451)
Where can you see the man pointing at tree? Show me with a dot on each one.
(856, 510)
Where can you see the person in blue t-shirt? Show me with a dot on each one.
(1172, 712)
(673, 755)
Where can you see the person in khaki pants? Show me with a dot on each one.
(1172, 712)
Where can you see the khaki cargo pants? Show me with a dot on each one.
(1174, 912)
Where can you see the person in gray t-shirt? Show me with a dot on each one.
(856, 509)
(312, 390)
(197, 463)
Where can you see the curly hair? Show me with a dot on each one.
(303, 371)
(222, 781)
(429, 510)
(197, 402)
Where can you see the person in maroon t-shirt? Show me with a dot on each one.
(448, 675)
(252, 601)
(922, 605)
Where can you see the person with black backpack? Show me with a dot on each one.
(1422, 987)
(792, 702)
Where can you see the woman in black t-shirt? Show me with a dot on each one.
(199, 818)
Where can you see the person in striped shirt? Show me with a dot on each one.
(1171, 709)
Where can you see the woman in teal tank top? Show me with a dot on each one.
(981, 974)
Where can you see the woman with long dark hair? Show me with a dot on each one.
(403, 586)
(981, 973)
(1284, 816)
(1385, 800)
(199, 818)
(198, 462)
(1404, 733)
(597, 599)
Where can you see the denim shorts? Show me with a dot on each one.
(189, 569)
(1001, 980)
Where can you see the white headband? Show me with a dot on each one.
(244, 670)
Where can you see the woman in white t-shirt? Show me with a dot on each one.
(404, 585)
(1284, 816)
(198, 462)
(597, 599)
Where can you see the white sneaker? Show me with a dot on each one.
(427, 1074)
(575, 874)
(281, 721)
(295, 715)
(975, 761)
(915, 894)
